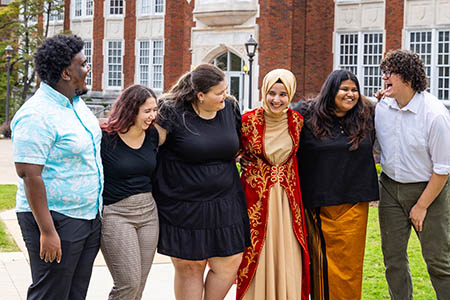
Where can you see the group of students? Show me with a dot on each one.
(290, 226)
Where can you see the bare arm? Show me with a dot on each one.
(37, 198)
(162, 134)
(432, 190)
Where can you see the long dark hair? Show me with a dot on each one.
(126, 108)
(321, 111)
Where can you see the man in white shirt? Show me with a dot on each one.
(413, 130)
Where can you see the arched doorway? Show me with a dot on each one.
(231, 64)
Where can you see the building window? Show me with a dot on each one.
(89, 7)
(57, 11)
(151, 7)
(361, 53)
(443, 65)
(433, 46)
(83, 8)
(114, 63)
(159, 6)
(88, 54)
(157, 64)
(151, 63)
(78, 7)
(232, 65)
(116, 7)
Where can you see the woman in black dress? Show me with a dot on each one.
(202, 211)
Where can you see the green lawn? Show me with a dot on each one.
(374, 283)
(7, 201)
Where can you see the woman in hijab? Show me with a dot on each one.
(276, 265)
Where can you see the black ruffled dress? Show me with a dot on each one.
(201, 204)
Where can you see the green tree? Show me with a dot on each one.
(24, 24)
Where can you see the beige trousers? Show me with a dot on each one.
(130, 231)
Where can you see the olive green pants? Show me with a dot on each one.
(396, 201)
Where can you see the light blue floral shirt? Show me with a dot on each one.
(48, 130)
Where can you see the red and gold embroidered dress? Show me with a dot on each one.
(257, 179)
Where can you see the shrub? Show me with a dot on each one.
(5, 129)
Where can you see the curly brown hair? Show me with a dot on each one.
(408, 65)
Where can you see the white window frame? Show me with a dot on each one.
(356, 61)
(89, 8)
(109, 7)
(146, 64)
(109, 64)
(432, 66)
(86, 11)
(88, 51)
(57, 18)
(151, 7)
(233, 73)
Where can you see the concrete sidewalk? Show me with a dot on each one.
(15, 276)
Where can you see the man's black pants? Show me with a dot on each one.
(80, 242)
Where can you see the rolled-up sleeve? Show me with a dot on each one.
(32, 138)
(439, 143)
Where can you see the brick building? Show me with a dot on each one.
(153, 42)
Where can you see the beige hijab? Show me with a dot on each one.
(289, 81)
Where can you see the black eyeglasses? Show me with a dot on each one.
(386, 73)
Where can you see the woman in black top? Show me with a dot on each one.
(337, 179)
(202, 210)
(130, 218)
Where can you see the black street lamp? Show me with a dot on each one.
(250, 48)
(9, 51)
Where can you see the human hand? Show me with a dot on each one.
(417, 216)
(50, 247)
(102, 121)
(379, 94)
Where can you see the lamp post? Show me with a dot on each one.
(9, 51)
(250, 48)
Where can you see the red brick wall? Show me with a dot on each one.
(98, 35)
(177, 40)
(318, 45)
(394, 24)
(66, 15)
(298, 47)
(129, 59)
(275, 36)
(297, 35)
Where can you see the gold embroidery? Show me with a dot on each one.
(260, 176)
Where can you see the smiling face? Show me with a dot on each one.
(346, 97)
(77, 73)
(147, 114)
(395, 86)
(277, 98)
(214, 99)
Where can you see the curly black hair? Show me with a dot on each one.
(408, 65)
(54, 55)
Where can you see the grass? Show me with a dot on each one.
(7, 201)
(374, 283)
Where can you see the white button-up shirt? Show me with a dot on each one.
(415, 139)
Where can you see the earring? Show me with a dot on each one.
(201, 101)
